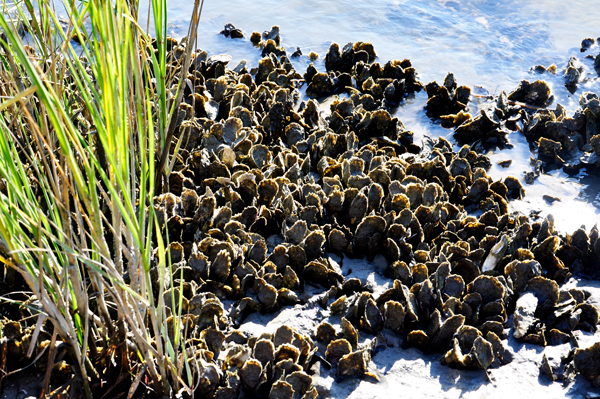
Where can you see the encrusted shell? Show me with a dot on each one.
(587, 362)
(349, 333)
(281, 390)
(264, 351)
(286, 351)
(488, 287)
(251, 374)
(337, 349)
(353, 364)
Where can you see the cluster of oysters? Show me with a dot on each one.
(264, 188)
(570, 142)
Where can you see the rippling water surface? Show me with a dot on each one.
(488, 43)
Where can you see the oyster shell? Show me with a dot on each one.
(266, 294)
(281, 390)
(337, 349)
(496, 254)
(297, 232)
(394, 316)
(369, 234)
(587, 362)
(251, 374)
(546, 291)
(353, 364)
(488, 287)
(523, 318)
(286, 351)
(484, 352)
(349, 333)
(313, 244)
(264, 351)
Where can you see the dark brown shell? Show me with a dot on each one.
(198, 263)
(267, 189)
(300, 382)
(286, 351)
(281, 390)
(369, 234)
(418, 339)
(372, 320)
(290, 279)
(337, 241)
(358, 208)
(337, 349)
(442, 339)
(400, 271)
(325, 333)
(297, 232)
(264, 351)
(587, 361)
(454, 286)
(213, 339)
(349, 333)
(484, 352)
(488, 287)
(520, 272)
(317, 272)
(313, 244)
(251, 374)
(466, 336)
(394, 316)
(283, 335)
(589, 313)
(266, 294)
(353, 364)
(467, 269)
(419, 273)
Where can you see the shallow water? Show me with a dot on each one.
(488, 45)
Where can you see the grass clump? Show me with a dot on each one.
(85, 135)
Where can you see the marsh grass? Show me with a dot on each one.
(84, 145)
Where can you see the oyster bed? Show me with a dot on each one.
(336, 257)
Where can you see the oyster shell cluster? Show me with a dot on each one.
(569, 141)
(572, 142)
(265, 186)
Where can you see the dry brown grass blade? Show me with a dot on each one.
(36, 333)
(18, 97)
(51, 354)
(136, 382)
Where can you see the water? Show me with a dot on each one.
(488, 45)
